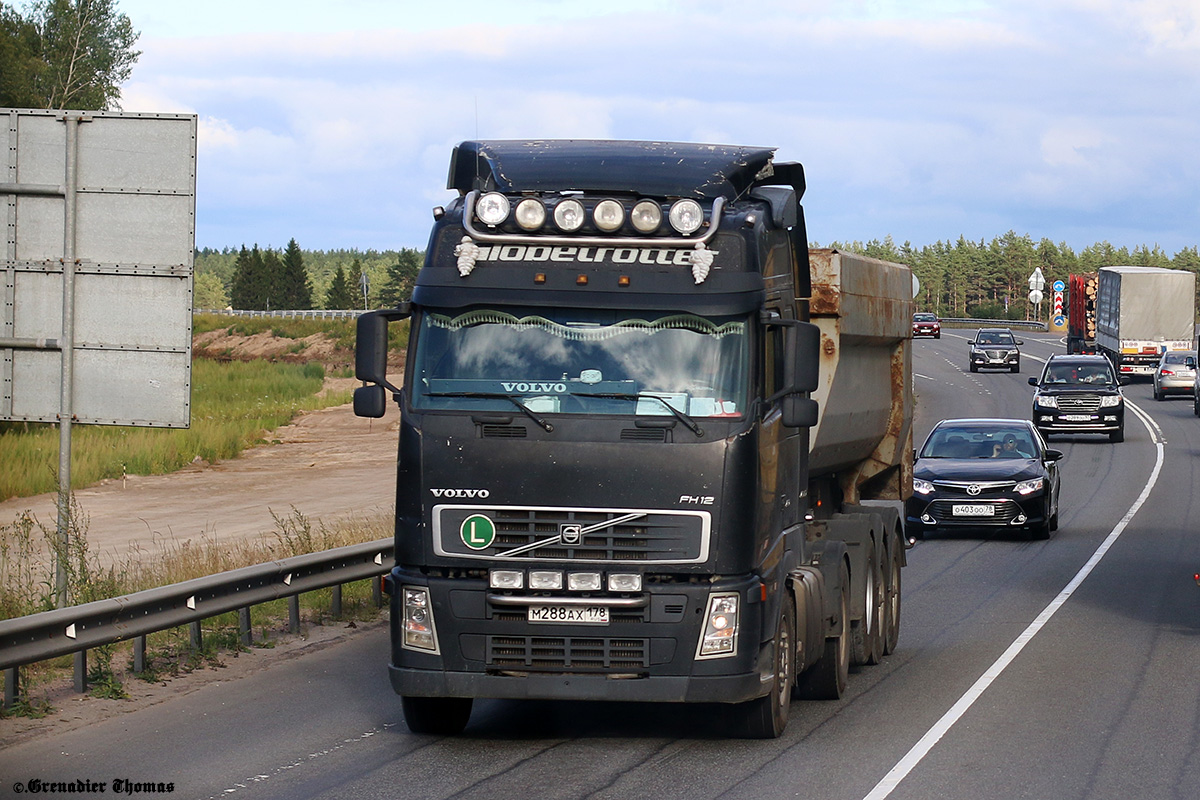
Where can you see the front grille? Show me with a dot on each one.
(986, 489)
(504, 431)
(1079, 403)
(557, 653)
(943, 511)
(996, 355)
(562, 534)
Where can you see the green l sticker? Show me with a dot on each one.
(478, 532)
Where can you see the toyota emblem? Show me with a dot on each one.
(974, 489)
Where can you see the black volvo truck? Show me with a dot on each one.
(651, 447)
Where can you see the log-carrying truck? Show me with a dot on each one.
(650, 447)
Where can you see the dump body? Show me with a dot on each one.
(1142, 312)
(1081, 312)
(645, 452)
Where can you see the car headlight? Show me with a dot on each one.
(1047, 401)
(608, 215)
(1109, 401)
(531, 214)
(922, 487)
(1031, 486)
(647, 216)
(569, 215)
(417, 625)
(720, 627)
(686, 216)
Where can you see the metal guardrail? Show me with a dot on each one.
(75, 629)
(997, 323)
(316, 313)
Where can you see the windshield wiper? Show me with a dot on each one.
(679, 415)
(512, 398)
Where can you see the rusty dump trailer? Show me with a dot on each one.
(651, 447)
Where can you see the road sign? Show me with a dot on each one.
(1035, 296)
(1059, 286)
(1037, 281)
(101, 210)
(1059, 321)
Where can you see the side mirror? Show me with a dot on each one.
(1033, 381)
(799, 412)
(370, 401)
(1052, 455)
(1020, 341)
(802, 357)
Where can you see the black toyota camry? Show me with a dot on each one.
(984, 474)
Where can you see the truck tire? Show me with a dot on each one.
(891, 606)
(826, 680)
(440, 716)
(1196, 405)
(866, 642)
(766, 717)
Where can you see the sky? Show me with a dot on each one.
(332, 123)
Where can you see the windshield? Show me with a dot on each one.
(994, 337)
(924, 318)
(582, 362)
(1087, 374)
(978, 442)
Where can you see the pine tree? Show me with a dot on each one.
(250, 288)
(355, 279)
(338, 296)
(294, 287)
(401, 277)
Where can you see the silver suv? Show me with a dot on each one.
(995, 348)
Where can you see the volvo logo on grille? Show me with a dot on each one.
(974, 489)
(571, 533)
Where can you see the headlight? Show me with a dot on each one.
(492, 208)
(1029, 487)
(720, 627)
(922, 487)
(568, 215)
(646, 216)
(583, 581)
(686, 216)
(418, 620)
(531, 214)
(1047, 401)
(609, 215)
(1109, 401)
(545, 579)
(624, 582)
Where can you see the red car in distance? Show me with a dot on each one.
(926, 324)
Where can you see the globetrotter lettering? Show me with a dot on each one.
(677, 257)
(534, 387)
(462, 493)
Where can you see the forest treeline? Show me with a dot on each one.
(964, 278)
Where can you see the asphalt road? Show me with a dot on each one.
(1053, 670)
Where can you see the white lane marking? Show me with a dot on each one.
(921, 749)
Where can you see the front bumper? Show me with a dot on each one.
(937, 512)
(1004, 361)
(1105, 420)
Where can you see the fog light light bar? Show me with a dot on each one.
(719, 638)
(583, 581)
(545, 579)
(419, 633)
(506, 579)
(624, 582)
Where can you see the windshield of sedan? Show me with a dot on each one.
(924, 317)
(1086, 374)
(977, 442)
(582, 362)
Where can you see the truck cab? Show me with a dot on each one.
(603, 485)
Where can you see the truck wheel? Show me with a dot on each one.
(1117, 435)
(891, 606)
(1196, 405)
(826, 680)
(441, 716)
(866, 643)
(1157, 394)
(766, 717)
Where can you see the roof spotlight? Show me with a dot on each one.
(531, 214)
(686, 216)
(646, 216)
(609, 215)
(492, 208)
(569, 215)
